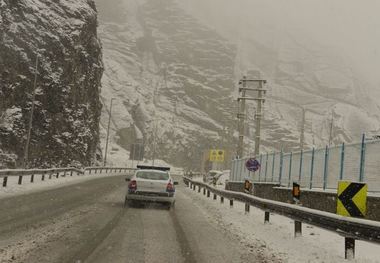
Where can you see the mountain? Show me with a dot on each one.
(65, 127)
(171, 77)
(174, 69)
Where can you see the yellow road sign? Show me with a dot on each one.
(216, 155)
(352, 199)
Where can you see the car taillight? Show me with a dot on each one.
(132, 185)
(170, 188)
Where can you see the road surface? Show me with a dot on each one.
(86, 222)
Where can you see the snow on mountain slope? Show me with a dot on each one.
(172, 79)
(174, 73)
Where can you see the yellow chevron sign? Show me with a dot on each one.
(352, 199)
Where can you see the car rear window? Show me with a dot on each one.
(151, 175)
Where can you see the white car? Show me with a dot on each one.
(151, 184)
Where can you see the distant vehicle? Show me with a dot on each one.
(151, 184)
(212, 176)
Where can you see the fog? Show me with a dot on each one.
(348, 28)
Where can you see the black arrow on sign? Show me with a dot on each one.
(346, 198)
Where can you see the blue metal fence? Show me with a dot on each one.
(317, 168)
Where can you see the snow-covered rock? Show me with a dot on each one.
(67, 106)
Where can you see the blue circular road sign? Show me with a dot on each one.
(252, 165)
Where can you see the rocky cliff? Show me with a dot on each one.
(65, 127)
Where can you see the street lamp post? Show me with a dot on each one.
(108, 133)
(26, 152)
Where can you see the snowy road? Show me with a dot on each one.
(86, 222)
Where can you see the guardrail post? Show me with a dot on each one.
(5, 180)
(57, 174)
(193, 187)
(214, 196)
(300, 170)
(274, 158)
(32, 178)
(266, 217)
(266, 167)
(101, 170)
(231, 202)
(349, 248)
(246, 208)
(120, 171)
(71, 173)
(281, 164)
(64, 173)
(43, 176)
(362, 159)
(50, 175)
(204, 191)
(208, 193)
(199, 188)
(326, 169)
(312, 168)
(20, 179)
(297, 228)
(290, 168)
(89, 171)
(341, 162)
(96, 170)
(222, 199)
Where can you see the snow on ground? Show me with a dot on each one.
(13, 188)
(316, 245)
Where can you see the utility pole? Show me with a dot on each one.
(154, 143)
(108, 133)
(258, 115)
(26, 153)
(241, 117)
(302, 138)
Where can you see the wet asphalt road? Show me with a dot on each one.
(86, 222)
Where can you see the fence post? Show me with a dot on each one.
(231, 202)
(362, 159)
(266, 168)
(57, 174)
(43, 176)
(326, 169)
(341, 163)
(290, 168)
(312, 168)
(300, 171)
(71, 173)
(261, 162)
(32, 178)
(222, 199)
(5, 180)
(274, 157)
(281, 163)
(241, 170)
(215, 196)
(20, 179)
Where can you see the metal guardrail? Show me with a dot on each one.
(57, 172)
(351, 228)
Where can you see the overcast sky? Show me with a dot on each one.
(350, 26)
